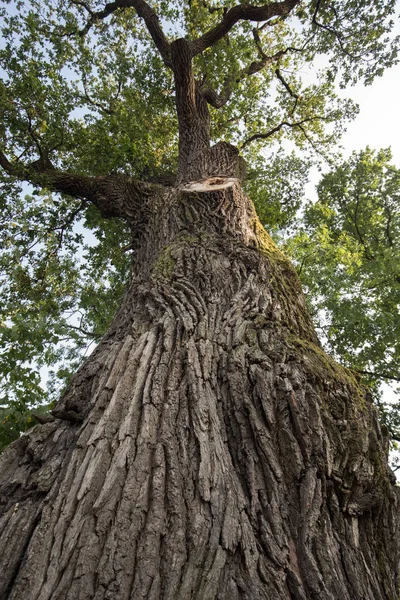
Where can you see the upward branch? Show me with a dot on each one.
(219, 100)
(242, 12)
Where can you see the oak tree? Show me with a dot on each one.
(208, 447)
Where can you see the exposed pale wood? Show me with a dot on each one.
(210, 184)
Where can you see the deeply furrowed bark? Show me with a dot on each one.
(208, 449)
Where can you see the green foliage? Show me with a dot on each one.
(104, 101)
(348, 256)
(58, 296)
(276, 187)
(99, 99)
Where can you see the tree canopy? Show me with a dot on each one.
(347, 252)
(87, 88)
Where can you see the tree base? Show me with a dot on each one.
(208, 449)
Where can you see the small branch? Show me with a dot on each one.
(212, 9)
(84, 5)
(219, 100)
(378, 375)
(303, 262)
(85, 332)
(68, 222)
(331, 30)
(241, 12)
(388, 224)
(286, 85)
(313, 144)
(368, 254)
(257, 65)
(86, 96)
(34, 136)
(268, 134)
(354, 219)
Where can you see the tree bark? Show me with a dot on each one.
(193, 116)
(208, 449)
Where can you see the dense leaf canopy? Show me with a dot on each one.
(84, 88)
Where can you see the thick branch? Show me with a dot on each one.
(193, 116)
(242, 12)
(114, 195)
(42, 173)
(213, 98)
(146, 13)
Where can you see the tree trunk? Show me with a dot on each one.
(208, 449)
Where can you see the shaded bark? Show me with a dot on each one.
(209, 448)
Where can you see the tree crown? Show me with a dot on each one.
(90, 89)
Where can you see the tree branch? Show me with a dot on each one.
(114, 195)
(213, 98)
(331, 30)
(241, 12)
(146, 13)
(84, 5)
(388, 224)
(212, 9)
(268, 134)
(86, 96)
(354, 220)
(378, 375)
(257, 65)
(42, 173)
(286, 85)
(219, 100)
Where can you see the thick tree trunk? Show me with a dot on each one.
(193, 117)
(208, 449)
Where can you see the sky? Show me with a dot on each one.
(378, 123)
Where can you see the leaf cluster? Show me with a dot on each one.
(347, 253)
(61, 279)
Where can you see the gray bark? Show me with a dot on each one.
(208, 449)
